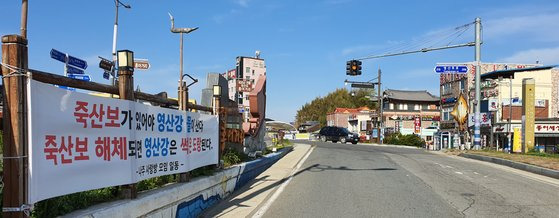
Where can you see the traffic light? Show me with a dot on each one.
(353, 68)
(106, 65)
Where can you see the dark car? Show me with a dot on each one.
(335, 134)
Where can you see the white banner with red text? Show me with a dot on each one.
(80, 142)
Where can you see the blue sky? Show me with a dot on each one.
(305, 43)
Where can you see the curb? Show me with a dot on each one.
(521, 166)
(390, 145)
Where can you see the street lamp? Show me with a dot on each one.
(126, 60)
(118, 3)
(181, 31)
(217, 90)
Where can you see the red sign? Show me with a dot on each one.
(417, 125)
(141, 64)
(244, 85)
(231, 74)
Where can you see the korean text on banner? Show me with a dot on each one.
(81, 142)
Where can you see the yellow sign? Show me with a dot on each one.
(517, 140)
(460, 111)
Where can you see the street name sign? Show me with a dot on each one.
(57, 55)
(83, 77)
(73, 70)
(451, 69)
(76, 62)
(141, 64)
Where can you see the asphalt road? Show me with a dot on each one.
(344, 180)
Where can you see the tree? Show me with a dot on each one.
(318, 108)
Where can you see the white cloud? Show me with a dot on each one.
(542, 27)
(543, 55)
(243, 3)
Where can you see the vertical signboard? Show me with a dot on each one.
(417, 125)
(517, 140)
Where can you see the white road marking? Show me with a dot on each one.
(458, 172)
(280, 189)
(476, 173)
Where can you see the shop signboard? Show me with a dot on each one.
(244, 85)
(417, 125)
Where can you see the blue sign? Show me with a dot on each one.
(73, 70)
(106, 75)
(67, 88)
(76, 62)
(451, 69)
(375, 133)
(57, 55)
(83, 77)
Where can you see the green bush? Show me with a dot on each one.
(64, 204)
(409, 140)
(231, 157)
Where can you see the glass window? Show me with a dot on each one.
(416, 107)
(446, 114)
(462, 85)
(410, 107)
(391, 106)
(424, 107)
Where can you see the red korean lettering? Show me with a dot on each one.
(119, 147)
(103, 148)
(112, 117)
(81, 148)
(81, 113)
(66, 148)
(97, 115)
(50, 148)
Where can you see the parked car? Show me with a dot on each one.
(335, 134)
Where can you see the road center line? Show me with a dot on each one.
(276, 194)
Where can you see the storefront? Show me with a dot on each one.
(546, 134)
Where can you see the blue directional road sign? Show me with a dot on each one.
(57, 55)
(67, 88)
(83, 77)
(106, 75)
(76, 62)
(73, 70)
(451, 69)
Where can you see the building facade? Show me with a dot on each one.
(496, 98)
(357, 120)
(411, 112)
(242, 80)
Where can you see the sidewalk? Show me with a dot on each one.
(245, 201)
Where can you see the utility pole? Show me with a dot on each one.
(477, 131)
(379, 111)
(24, 19)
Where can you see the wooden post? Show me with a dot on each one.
(220, 112)
(183, 105)
(14, 54)
(126, 92)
